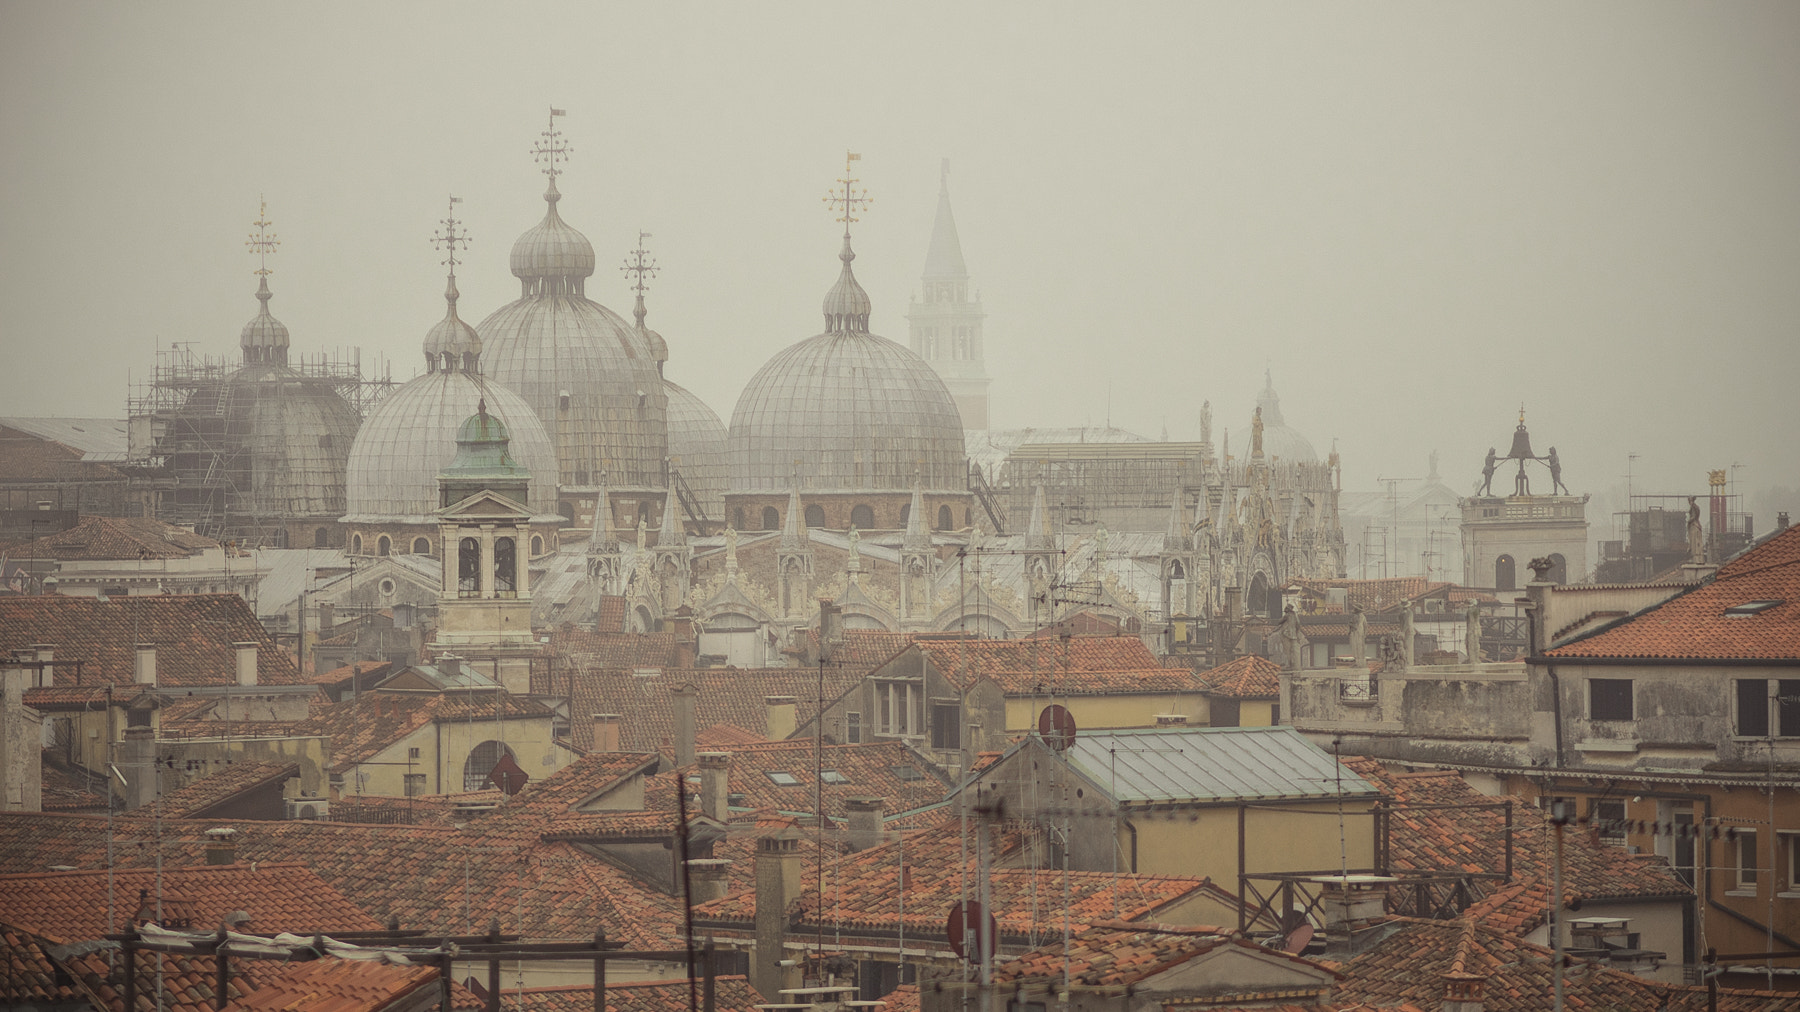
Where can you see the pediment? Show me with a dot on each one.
(485, 505)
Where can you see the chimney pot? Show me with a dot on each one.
(145, 671)
(685, 726)
(715, 785)
(220, 848)
(865, 821)
(782, 717)
(246, 662)
(606, 732)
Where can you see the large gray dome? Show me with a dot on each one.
(410, 437)
(589, 375)
(856, 410)
(697, 447)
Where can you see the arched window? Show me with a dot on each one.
(481, 763)
(505, 566)
(421, 546)
(1559, 568)
(321, 538)
(943, 523)
(1505, 575)
(567, 509)
(771, 519)
(968, 517)
(737, 518)
(468, 567)
(905, 513)
(383, 545)
(356, 544)
(1259, 595)
(815, 515)
(862, 517)
(537, 545)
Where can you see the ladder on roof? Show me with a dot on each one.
(990, 502)
(690, 503)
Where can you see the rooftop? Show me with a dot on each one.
(1154, 765)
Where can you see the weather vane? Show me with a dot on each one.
(262, 242)
(447, 237)
(850, 200)
(551, 149)
(640, 263)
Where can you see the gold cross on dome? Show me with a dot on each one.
(262, 242)
(551, 148)
(850, 200)
(448, 237)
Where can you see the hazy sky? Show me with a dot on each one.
(1416, 215)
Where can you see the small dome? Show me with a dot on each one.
(552, 247)
(857, 410)
(482, 444)
(482, 428)
(264, 338)
(1280, 442)
(451, 336)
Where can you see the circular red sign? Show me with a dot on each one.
(1056, 725)
(963, 928)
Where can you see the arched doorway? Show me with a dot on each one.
(1506, 573)
(862, 517)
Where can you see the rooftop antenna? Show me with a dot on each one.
(446, 238)
(552, 148)
(641, 263)
(850, 200)
(262, 242)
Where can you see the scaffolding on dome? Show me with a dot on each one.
(237, 450)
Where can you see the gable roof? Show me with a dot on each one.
(732, 696)
(337, 985)
(1115, 953)
(1204, 764)
(116, 539)
(885, 769)
(193, 635)
(1695, 626)
(194, 799)
(361, 728)
(1247, 677)
(1074, 662)
(730, 994)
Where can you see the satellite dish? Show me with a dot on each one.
(963, 928)
(1056, 725)
(1297, 939)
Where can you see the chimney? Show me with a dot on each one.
(137, 756)
(1781, 521)
(709, 878)
(685, 727)
(782, 717)
(687, 645)
(246, 662)
(219, 846)
(831, 630)
(606, 732)
(865, 821)
(1463, 991)
(144, 672)
(1171, 720)
(777, 885)
(46, 652)
(450, 666)
(715, 785)
(326, 618)
(1353, 901)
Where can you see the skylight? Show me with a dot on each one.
(782, 778)
(834, 777)
(1749, 608)
(906, 773)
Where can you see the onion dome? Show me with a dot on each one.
(697, 447)
(411, 436)
(264, 339)
(1281, 444)
(859, 411)
(552, 253)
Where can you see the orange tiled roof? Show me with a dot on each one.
(72, 906)
(1121, 953)
(193, 800)
(360, 728)
(1070, 662)
(551, 807)
(115, 538)
(1695, 626)
(730, 994)
(350, 672)
(1410, 966)
(336, 985)
(193, 635)
(732, 696)
(583, 650)
(68, 787)
(885, 769)
(863, 649)
(1247, 677)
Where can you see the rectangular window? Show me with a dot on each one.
(853, 728)
(1753, 707)
(1744, 854)
(1787, 864)
(946, 732)
(1608, 818)
(1224, 712)
(1609, 699)
(415, 784)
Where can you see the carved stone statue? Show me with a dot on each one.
(1487, 472)
(1256, 433)
(1472, 634)
(1556, 481)
(643, 534)
(1290, 642)
(1407, 637)
(1100, 539)
(1359, 635)
(1696, 536)
(855, 538)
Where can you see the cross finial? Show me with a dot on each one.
(1521, 412)
(262, 242)
(845, 197)
(448, 237)
(551, 148)
(642, 264)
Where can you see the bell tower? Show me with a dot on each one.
(946, 322)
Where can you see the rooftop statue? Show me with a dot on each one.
(1487, 472)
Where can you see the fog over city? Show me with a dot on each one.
(1416, 217)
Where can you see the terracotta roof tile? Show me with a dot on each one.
(194, 799)
(336, 985)
(1067, 663)
(733, 696)
(779, 776)
(360, 728)
(68, 787)
(115, 538)
(1247, 677)
(730, 994)
(193, 635)
(1121, 953)
(1696, 626)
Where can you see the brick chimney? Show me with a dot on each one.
(865, 821)
(144, 671)
(685, 726)
(137, 757)
(1464, 992)
(246, 662)
(778, 883)
(606, 732)
(709, 878)
(687, 643)
(783, 715)
(46, 652)
(715, 785)
(327, 618)
(220, 848)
